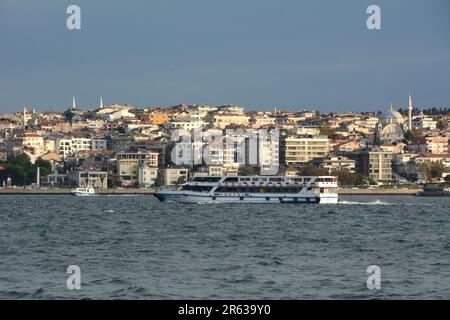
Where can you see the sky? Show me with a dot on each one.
(260, 54)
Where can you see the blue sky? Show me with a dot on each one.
(260, 54)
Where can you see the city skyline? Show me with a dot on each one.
(101, 104)
(261, 55)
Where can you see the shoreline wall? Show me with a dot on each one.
(341, 191)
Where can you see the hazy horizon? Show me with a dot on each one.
(292, 55)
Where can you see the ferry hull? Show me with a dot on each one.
(249, 198)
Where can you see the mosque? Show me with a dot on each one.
(392, 125)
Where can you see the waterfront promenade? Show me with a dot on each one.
(64, 191)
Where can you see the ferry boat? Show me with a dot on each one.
(254, 189)
(89, 191)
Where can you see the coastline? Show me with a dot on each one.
(137, 191)
(66, 191)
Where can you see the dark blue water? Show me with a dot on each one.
(136, 247)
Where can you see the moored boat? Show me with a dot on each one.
(433, 192)
(89, 191)
(254, 189)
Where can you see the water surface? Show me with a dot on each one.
(134, 247)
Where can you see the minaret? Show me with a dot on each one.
(38, 175)
(74, 105)
(24, 120)
(410, 113)
(101, 103)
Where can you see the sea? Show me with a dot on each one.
(135, 247)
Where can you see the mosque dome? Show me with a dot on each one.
(392, 131)
(392, 116)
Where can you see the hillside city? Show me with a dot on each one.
(120, 146)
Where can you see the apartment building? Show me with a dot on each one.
(375, 164)
(298, 150)
(134, 167)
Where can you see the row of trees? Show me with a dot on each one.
(429, 112)
(21, 171)
(345, 177)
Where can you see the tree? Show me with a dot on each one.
(312, 170)
(327, 131)
(441, 125)
(20, 159)
(168, 152)
(345, 177)
(21, 171)
(431, 171)
(44, 169)
(248, 171)
(413, 134)
(18, 168)
(158, 182)
(377, 141)
(436, 170)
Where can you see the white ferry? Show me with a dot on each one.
(89, 191)
(254, 189)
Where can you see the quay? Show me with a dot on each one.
(378, 192)
(66, 191)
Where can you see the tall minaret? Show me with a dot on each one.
(410, 113)
(101, 103)
(24, 117)
(74, 105)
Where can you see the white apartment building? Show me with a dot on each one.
(70, 146)
(424, 123)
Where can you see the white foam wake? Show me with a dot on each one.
(372, 203)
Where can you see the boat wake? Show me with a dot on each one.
(372, 203)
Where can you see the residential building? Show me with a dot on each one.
(173, 176)
(375, 164)
(297, 150)
(94, 179)
(134, 167)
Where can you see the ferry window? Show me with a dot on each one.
(207, 179)
(232, 179)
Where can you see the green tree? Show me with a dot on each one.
(327, 131)
(248, 171)
(441, 125)
(345, 177)
(436, 170)
(431, 171)
(413, 134)
(44, 169)
(312, 170)
(158, 182)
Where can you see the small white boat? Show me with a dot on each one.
(89, 191)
